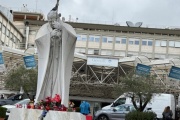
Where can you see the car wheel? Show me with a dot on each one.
(103, 117)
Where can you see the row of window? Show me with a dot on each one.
(122, 53)
(9, 34)
(132, 41)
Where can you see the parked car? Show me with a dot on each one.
(117, 113)
(13, 99)
(157, 103)
(20, 103)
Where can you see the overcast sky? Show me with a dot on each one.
(150, 12)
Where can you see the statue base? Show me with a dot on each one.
(34, 114)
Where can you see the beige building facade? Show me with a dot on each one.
(99, 40)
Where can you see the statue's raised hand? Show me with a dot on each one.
(56, 34)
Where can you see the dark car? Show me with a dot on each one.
(13, 99)
(117, 113)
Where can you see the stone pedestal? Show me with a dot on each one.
(64, 116)
(34, 114)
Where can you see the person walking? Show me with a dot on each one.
(85, 108)
(167, 113)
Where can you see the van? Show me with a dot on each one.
(157, 104)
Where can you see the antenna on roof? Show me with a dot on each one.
(138, 24)
(130, 24)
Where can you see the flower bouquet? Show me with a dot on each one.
(50, 104)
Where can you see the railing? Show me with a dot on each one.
(122, 24)
(25, 9)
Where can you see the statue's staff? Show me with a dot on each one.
(56, 7)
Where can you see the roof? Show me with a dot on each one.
(127, 29)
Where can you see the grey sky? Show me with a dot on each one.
(152, 12)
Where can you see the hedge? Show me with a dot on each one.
(2, 112)
(136, 115)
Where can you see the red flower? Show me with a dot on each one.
(48, 100)
(57, 98)
(47, 108)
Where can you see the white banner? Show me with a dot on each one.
(97, 61)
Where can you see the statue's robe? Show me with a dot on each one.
(55, 58)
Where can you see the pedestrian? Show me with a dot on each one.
(167, 113)
(2, 97)
(85, 108)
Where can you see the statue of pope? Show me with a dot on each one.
(55, 43)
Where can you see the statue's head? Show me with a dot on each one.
(53, 16)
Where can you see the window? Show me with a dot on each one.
(144, 42)
(109, 39)
(82, 37)
(3, 29)
(11, 35)
(120, 101)
(91, 38)
(94, 38)
(131, 42)
(106, 52)
(124, 108)
(163, 43)
(90, 51)
(123, 41)
(78, 37)
(80, 50)
(104, 39)
(119, 53)
(150, 43)
(121, 108)
(7, 33)
(171, 43)
(97, 39)
(177, 44)
(157, 43)
(14, 39)
(136, 42)
(96, 52)
(117, 40)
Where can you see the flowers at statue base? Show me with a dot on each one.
(51, 104)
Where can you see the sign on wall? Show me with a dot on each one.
(110, 62)
(2, 67)
(29, 61)
(1, 59)
(174, 72)
(142, 69)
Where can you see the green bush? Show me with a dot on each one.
(136, 115)
(2, 112)
(77, 109)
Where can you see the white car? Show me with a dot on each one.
(20, 103)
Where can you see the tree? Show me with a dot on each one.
(21, 77)
(140, 88)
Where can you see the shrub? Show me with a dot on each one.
(136, 115)
(2, 112)
(77, 109)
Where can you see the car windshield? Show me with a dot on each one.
(124, 108)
